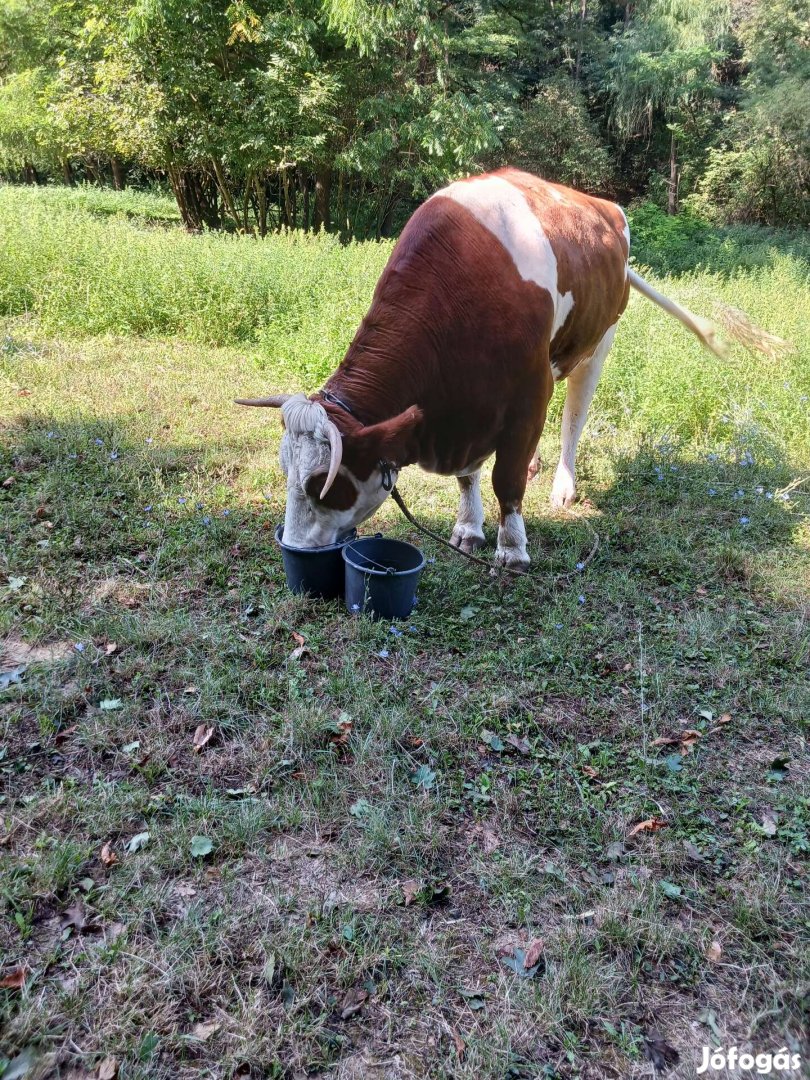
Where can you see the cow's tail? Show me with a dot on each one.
(703, 329)
(736, 324)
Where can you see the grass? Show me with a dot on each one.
(138, 525)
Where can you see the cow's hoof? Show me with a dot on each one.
(466, 539)
(512, 559)
(563, 496)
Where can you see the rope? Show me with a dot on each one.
(493, 570)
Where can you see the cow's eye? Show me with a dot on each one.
(342, 495)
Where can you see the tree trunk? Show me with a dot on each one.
(261, 196)
(323, 190)
(118, 174)
(67, 173)
(219, 172)
(303, 183)
(30, 173)
(289, 207)
(578, 67)
(674, 179)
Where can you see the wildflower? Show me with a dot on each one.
(79, 646)
(768, 494)
(199, 506)
(580, 566)
(149, 440)
(747, 459)
(182, 500)
(738, 494)
(711, 457)
(712, 491)
(226, 513)
(114, 455)
(383, 654)
(558, 626)
(580, 599)
(355, 607)
(148, 509)
(744, 520)
(51, 435)
(785, 497)
(760, 490)
(206, 521)
(395, 631)
(98, 442)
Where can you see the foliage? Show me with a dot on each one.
(342, 114)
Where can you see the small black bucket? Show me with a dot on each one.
(382, 576)
(316, 571)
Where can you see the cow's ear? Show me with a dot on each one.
(392, 440)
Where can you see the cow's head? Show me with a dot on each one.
(334, 479)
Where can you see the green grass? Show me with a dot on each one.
(140, 512)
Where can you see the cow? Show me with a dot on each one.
(500, 286)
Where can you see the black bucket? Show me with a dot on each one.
(382, 576)
(316, 571)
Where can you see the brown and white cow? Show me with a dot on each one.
(499, 287)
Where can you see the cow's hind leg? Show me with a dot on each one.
(468, 534)
(581, 387)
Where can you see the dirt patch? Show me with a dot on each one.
(14, 652)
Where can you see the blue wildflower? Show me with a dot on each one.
(226, 513)
(744, 520)
(79, 646)
(148, 509)
(182, 500)
(580, 599)
(98, 442)
(383, 654)
(712, 491)
(114, 456)
(51, 435)
(395, 631)
(206, 521)
(580, 566)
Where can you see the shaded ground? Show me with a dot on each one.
(394, 811)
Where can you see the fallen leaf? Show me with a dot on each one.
(590, 771)
(110, 648)
(517, 962)
(24, 393)
(714, 951)
(724, 719)
(299, 639)
(15, 980)
(74, 917)
(340, 731)
(665, 740)
(459, 1043)
(204, 1031)
(659, 1052)
(474, 998)
(191, 689)
(108, 856)
(8, 481)
(486, 837)
(138, 841)
(202, 736)
(108, 1069)
(410, 890)
(109, 704)
(650, 825)
(201, 846)
(769, 823)
(297, 653)
(521, 745)
(533, 952)
(353, 1002)
(183, 889)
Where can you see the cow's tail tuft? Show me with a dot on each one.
(740, 329)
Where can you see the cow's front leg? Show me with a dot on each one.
(468, 534)
(581, 387)
(509, 482)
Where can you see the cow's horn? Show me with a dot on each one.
(336, 447)
(275, 401)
